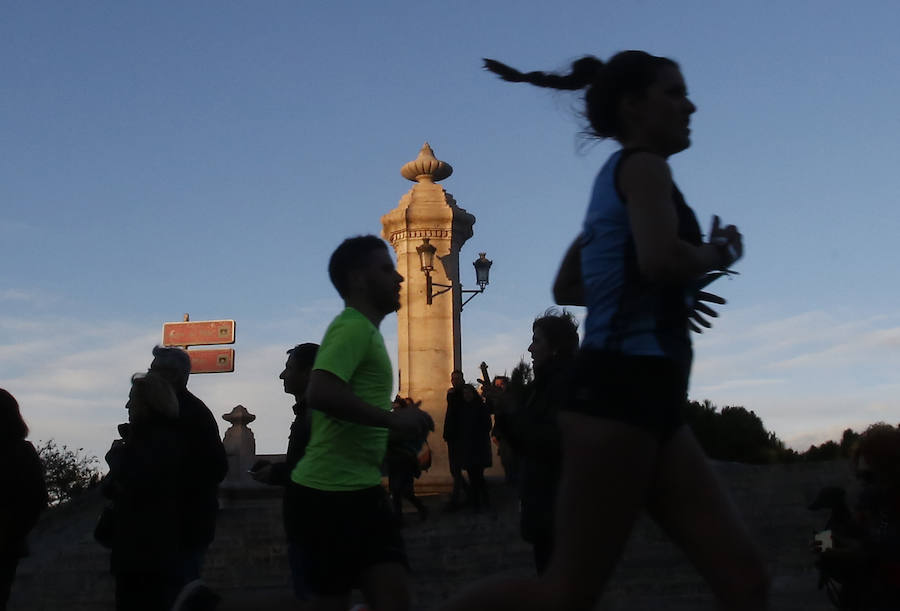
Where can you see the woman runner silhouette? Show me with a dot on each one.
(637, 266)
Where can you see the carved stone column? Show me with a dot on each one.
(428, 336)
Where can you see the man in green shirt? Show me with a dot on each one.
(338, 512)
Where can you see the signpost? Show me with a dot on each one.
(203, 332)
(217, 360)
(198, 332)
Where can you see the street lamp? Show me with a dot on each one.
(426, 251)
(482, 270)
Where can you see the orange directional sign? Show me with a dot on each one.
(198, 333)
(215, 360)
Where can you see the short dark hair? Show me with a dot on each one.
(561, 330)
(605, 84)
(304, 354)
(350, 256)
(12, 426)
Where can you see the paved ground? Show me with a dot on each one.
(449, 551)
(653, 575)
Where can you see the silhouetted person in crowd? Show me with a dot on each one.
(143, 485)
(457, 379)
(295, 377)
(492, 397)
(840, 519)
(24, 493)
(530, 426)
(453, 438)
(403, 467)
(467, 429)
(843, 582)
(637, 265)
(338, 513)
(203, 465)
(867, 562)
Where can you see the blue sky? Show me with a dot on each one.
(206, 157)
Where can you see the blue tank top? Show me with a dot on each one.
(627, 313)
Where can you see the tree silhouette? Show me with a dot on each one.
(67, 472)
(830, 450)
(848, 440)
(521, 376)
(734, 434)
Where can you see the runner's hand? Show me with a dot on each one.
(728, 239)
(697, 315)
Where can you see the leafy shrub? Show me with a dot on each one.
(67, 472)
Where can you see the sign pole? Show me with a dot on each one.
(203, 332)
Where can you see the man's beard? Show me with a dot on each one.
(390, 305)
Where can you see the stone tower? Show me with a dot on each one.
(428, 335)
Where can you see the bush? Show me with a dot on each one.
(734, 434)
(67, 472)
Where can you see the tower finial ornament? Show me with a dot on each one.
(426, 168)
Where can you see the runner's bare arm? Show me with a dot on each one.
(646, 182)
(330, 394)
(568, 288)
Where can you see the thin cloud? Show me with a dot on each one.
(72, 387)
(27, 298)
(72, 377)
(313, 317)
(15, 228)
(813, 339)
(737, 384)
(25, 350)
(15, 295)
(866, 346)
(806, 375)
(768, 331)
(814, 412)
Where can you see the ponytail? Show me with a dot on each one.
(605, 84)
(584, 72)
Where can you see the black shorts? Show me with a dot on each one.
(340, 534)
(648, 392)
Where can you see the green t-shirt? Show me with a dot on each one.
(343, 455)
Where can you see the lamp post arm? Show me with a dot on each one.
(446, 288)
(429, 288)
(471, 297)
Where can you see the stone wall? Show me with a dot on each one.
(247, 564)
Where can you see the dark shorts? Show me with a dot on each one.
(298, 576)
(340, 534)
(648, 392)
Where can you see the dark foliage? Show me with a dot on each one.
(734, 434)
(521, 376)
(67, 472)
(830, 450)
(833, 450)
